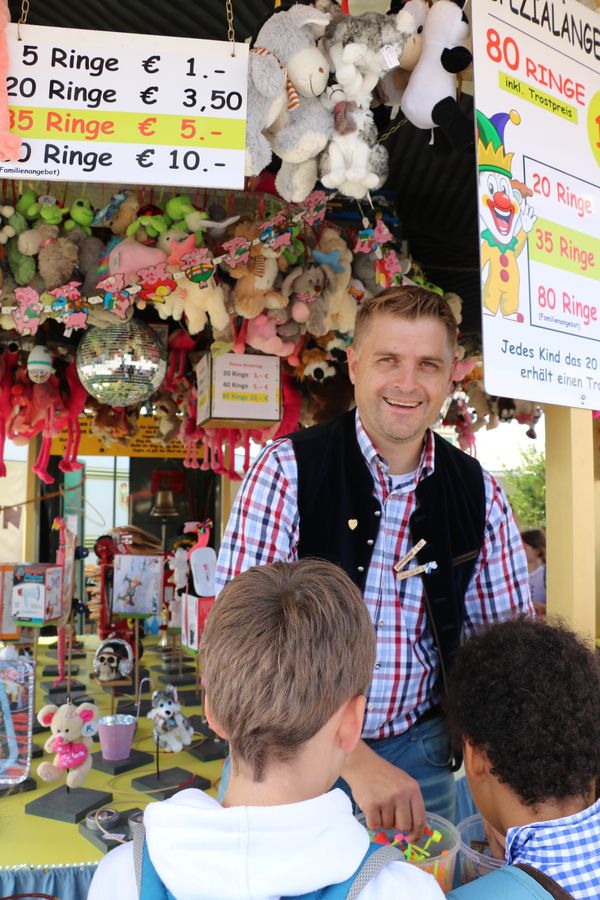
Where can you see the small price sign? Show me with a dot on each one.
(236, 390)
(93, 109)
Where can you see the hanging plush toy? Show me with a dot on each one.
(429, 100)
(39, 364)
(72, 729)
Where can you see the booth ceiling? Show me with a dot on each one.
(436, 187)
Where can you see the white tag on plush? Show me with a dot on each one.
(390, 56)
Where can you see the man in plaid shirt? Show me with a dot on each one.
(402, 364)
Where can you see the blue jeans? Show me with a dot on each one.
(423, 752)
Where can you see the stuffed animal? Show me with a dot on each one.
(353, 162)
(304, 128)
(267, 97)
(81, 215)
(255, 280)
(335, 257)
(262, 334)
(129, 256)
(391, 86)
(167, 421)
(72, 729)
(172, 730)
(362, 48)
(200, 303)
(429, 100)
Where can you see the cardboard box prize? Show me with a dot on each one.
(137, 585)
(36, 593)
(196, 606)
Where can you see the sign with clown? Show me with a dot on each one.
(537, 97)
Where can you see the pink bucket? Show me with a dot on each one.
(116, 736)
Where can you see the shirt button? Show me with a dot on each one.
(360, 568)
(377, 512)
(370, 707)
(381, 623)
(377, 665)
(370, 542)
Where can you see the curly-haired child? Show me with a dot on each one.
(524, 703)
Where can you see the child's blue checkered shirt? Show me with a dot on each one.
(568, 850)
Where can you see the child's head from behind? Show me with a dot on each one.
(524, 701)
(284, 649)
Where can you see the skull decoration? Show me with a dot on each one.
(113, 660)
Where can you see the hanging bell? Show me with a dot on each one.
(164, 506)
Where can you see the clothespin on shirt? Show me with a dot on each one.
(418, 570)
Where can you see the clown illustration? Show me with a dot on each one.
(506, 216)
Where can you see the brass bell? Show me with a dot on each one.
(164, 506)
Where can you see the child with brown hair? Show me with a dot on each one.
(287, 653)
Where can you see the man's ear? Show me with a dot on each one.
(351, 723)
(352, 358)
(211, 720)
(477, 763)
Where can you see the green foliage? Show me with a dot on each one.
(526, 489)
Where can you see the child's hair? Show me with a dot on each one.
(536, 538)
(284, 647)
(528, 694)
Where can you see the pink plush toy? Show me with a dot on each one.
(129, 256)
(262, 335)
(74, 397)
(72, 728)
(51, 416)
(7, 365)
(10, 144)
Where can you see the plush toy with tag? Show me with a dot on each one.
(335, 257)
(72, 729)
(304, 126)
(363, 48)
(429, 100)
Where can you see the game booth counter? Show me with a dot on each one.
(179, 287)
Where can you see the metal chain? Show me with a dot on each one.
(230, 29)
(391, 131)
(23, 17)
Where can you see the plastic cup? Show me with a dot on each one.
(474, 864)
(436, 852)
(116, 736)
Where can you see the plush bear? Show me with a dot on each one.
(303, 287)
(201, 304)
(72, 729)
(304, 128)
(255, 279)
(57, 256)
(429, 100)
(334, 255)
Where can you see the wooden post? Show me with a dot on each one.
(571, 525)
(136, 677)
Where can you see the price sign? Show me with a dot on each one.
(537, 92)
(93, 106)
(236, 389)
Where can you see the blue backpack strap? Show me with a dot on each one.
(507, 883)
(149, 884)
(375, 859)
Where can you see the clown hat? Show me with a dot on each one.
(491, 155)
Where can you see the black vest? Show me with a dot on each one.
(339, 518)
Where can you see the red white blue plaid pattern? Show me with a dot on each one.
(264, 527)
(567, 850)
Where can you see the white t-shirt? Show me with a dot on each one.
(203, 851)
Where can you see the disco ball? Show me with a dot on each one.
(122, 364)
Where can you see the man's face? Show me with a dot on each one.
(402, 373)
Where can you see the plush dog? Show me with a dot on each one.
(172, 730)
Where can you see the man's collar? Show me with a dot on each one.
(374, 458)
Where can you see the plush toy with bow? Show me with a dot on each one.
(72, 729)
(304, 128)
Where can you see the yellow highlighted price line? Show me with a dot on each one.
(564, 248)
(100, 126)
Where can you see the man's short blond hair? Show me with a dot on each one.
(284, 647)
(409, 302)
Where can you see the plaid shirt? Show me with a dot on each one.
(567, 850)
(264, 527)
